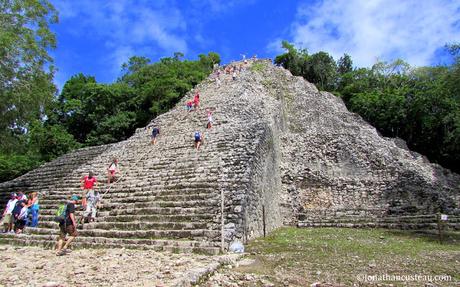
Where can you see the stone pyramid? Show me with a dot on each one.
(280, 152)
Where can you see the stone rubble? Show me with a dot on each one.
(34, 266)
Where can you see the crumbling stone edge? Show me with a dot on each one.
(199, 275)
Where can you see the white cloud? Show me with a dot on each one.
(379, 29)
(127, 27)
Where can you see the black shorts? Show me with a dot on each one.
(20, 223)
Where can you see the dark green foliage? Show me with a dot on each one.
(104, 113)
(319, 68)
(26, 74)
(26, 68)
(14, 165)
(421, 106)
(344, 65)
(50, 141)
(294, 60)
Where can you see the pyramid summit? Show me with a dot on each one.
(279, 152)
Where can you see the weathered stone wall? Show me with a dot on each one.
(262, 208)
(250, 177)
(333, 160)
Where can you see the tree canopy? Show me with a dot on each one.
(26, 68)
(26, 74)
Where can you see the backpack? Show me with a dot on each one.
(17, 209)
(61, 214)
(197, 136)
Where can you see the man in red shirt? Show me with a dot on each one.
(88, 182)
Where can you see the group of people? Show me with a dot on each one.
(233, 69)
(20, 211)
(190, 106)
(195, 103)
(90, 201)
(198, 135)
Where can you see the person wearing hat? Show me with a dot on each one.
(21, 196)
(69, 226)
(7, 215)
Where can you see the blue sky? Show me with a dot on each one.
(95, 37)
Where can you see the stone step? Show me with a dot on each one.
(144, 211)
(195, 234)
(147, 218)
(133, 197)
(134, 192)
(144, 204)
(148, 183)
(135, 225)
(142, 225)
(410, 226)
(49, 241)
(381, 220)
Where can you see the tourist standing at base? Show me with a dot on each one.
(20, 216)
(88, 182)
(21, 196)
(34, 207)
(67, 227)
(7, 220)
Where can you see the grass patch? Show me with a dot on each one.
(257, 67)
(300, 257)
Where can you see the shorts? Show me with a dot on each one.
(20, 224)
(154, 136)
(7, 219)
(112, 171)
(90, 209)
(69, 229)
(197, 140)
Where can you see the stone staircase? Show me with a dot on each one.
(168, 197)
